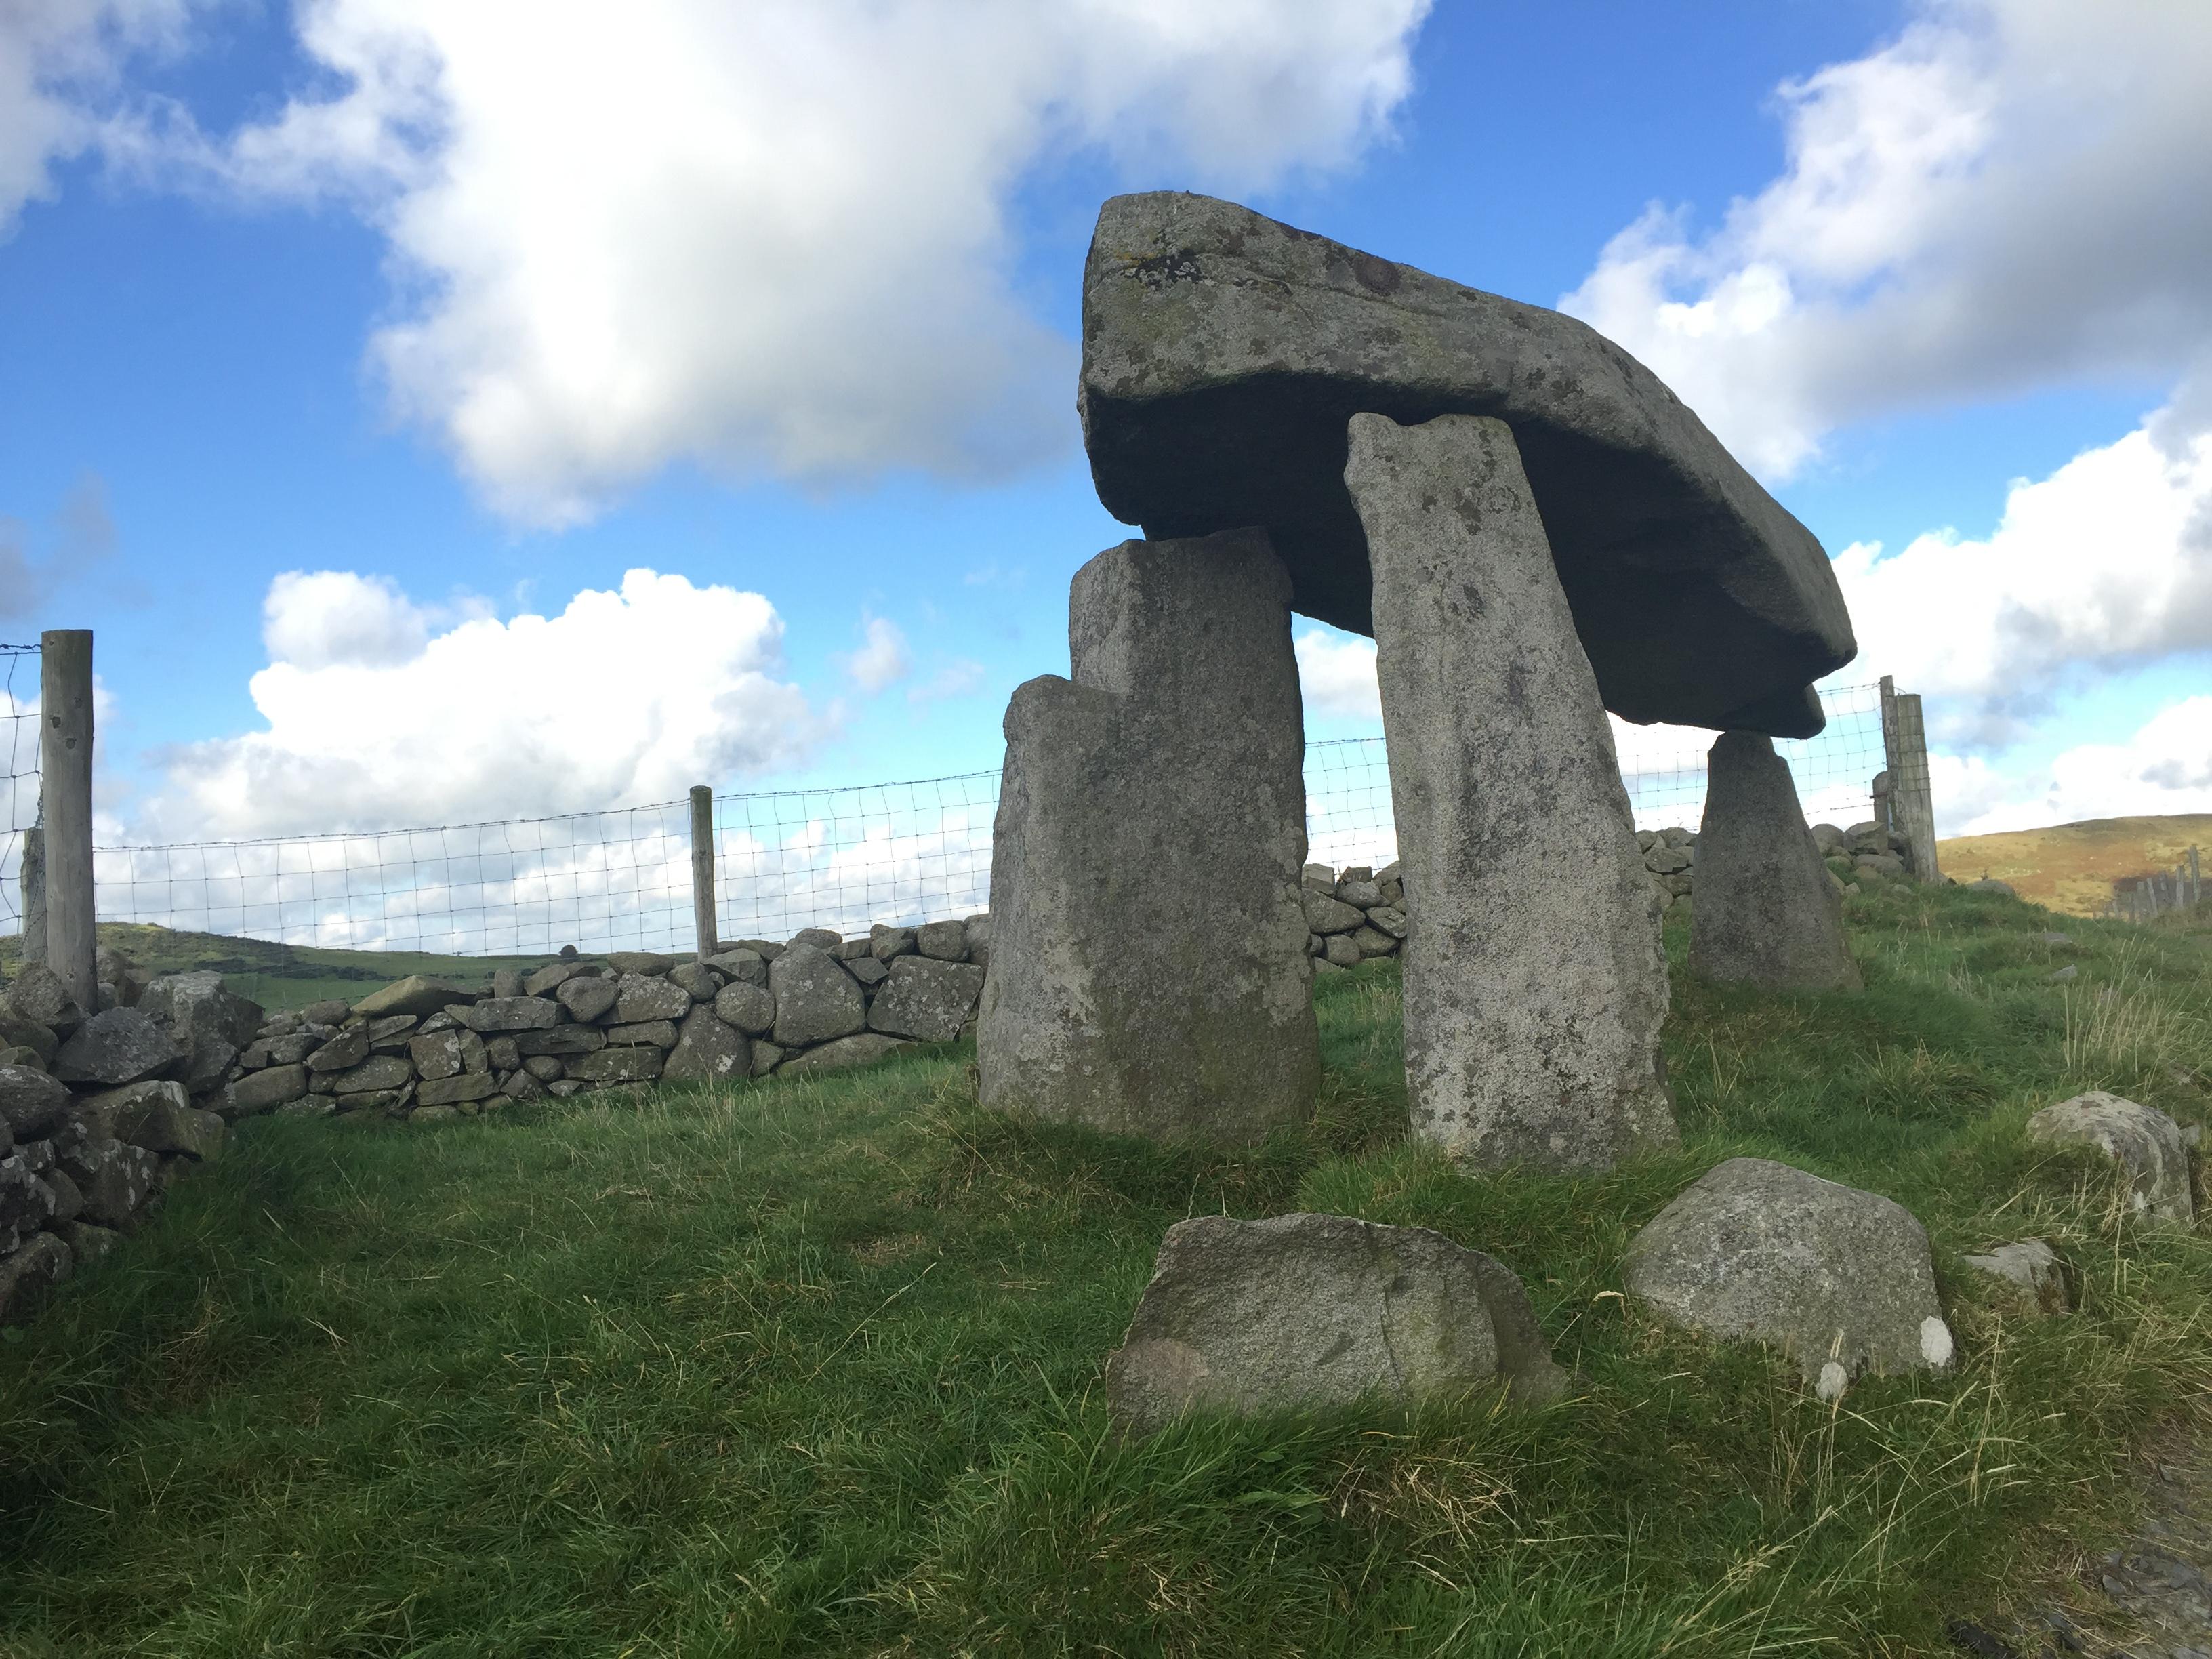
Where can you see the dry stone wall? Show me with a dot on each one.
(424, 1049)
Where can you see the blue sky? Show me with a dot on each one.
(474, 317)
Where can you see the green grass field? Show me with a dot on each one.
(812, 1367)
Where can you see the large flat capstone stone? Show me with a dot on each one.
(1148, 967)
(1766, 913)
(1222, 353)
(1304, 1311)
(1534, 985)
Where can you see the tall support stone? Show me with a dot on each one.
(1533, 981)
(1148, 966)
(1766, 912)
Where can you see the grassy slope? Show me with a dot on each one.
(811, 1366)
(280, 975)
(2071, 867)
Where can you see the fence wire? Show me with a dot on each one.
(898, 853)
(19, 709)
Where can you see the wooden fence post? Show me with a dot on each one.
(702, 869)
(65, 805)
(30, 878)
(1912, 799)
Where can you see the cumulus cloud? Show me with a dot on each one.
(2104, 564)
(1336, 674)
(2011, 193)
(773, 237)
(626, 696)
(883, 660)
(83, 538)
(2165, 767)
(62, 63)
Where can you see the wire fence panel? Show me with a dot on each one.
(843, 859)
(18, 708)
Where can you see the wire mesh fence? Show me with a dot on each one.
(899, 853)
(19, 710)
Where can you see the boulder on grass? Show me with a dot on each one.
(2031, 1267)
(1838, 1279)
(2142, 1140)
(1303, 1311)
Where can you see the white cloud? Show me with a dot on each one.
(1336, 674)
(2011, 193)
(2105, 563)
(320, 618)
(883, 660)
(2165, 767)
(956, 679)
(61, 63)
(770, 237)
(625, 696)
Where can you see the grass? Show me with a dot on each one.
(2071, 867)
(811, 1366)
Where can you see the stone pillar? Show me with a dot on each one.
(1767, 911)
(1148, 964)
(1533, 981)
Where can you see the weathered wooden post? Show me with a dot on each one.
(65, 794)
(702, 869)
(30, 878)
(1905, 741)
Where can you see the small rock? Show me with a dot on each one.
(631, 1063)
(452, 1091)
(31, 1102)
(588, 1000)
(821, 939)
(708, 1050)
(1372, 942)
(417, 993)
(1342, 951)
(1386, 919)
(506, 983)
(1300, 1311)
(871, 971)
(864, 1049)
(514, 1013)
(645, 962)
(746, 1006)
(942, 941)
(1326, 914)
(747, 966)
(1360, 895)
(2142, 1140)
(697, 979)
(522, 1084)
(265, 1091)
(1987, 886)
(550, 977)
(546, 1068)
(335, 1012)
(766, 1057)
(926, 998)
(36, 995)
(342, 1053)
(2063, 975)
(1838, 1278)
(377, 1072)
(2032, 1266)
(640, 997)
(154, 1114)
(43, 1259)
(891, 942)
(121, 1045)
(816, 1000)
(561, 1039)
(659, 1033)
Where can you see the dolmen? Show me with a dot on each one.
(1533, 530)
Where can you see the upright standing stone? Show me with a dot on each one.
(1148, 969)
(1534, 982)
(1766, 912)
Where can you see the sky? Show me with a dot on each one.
(442, 413)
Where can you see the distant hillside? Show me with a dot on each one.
(2071, 867)
(280, 975)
